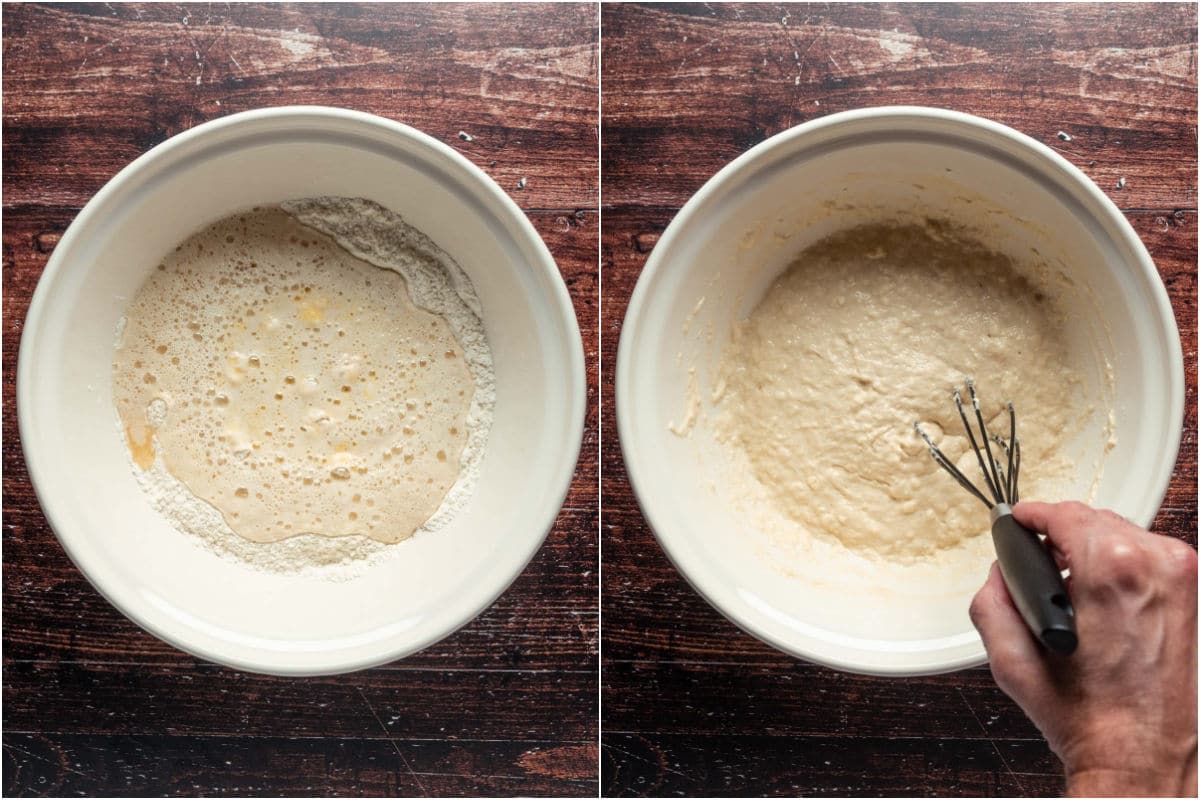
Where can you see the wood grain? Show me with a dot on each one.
(94, 705)
(839, 766)
(137, 766)
(94, 86)
(691, 704)
(710, 81)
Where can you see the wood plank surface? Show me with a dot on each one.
(92, 704)
(709, 81)
(138, 766)
(693, 706)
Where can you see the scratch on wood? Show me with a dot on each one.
(987, 735)
(395, 746)
(644, 760)
(60, 764)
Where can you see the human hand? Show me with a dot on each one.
(1121, 711)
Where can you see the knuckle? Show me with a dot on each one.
(1181, 561)
(1005, 663)
(1075, 513)
(1075, 507)
(1121, 563)
(976, 610)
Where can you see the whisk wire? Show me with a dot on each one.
(945, 463)
(996, 482)
(1016, 493)
(1008, 449)
(974, 445)
(1001, 482)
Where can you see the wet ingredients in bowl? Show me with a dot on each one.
(866, 332)
(305, 384)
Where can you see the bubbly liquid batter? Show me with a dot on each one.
(868, 332)
(291, 385)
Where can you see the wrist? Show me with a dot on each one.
(1126, 782)
(1115, 757)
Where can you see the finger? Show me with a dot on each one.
(996, 617)
(1181, 565)
(1115, 523)
(1013, 652)
(1060, 558)
(1066, 525)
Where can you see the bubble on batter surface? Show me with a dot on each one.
(280, 377)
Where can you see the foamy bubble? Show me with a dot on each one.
(296, 358)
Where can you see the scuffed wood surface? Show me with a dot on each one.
(692, 705)
(91, 86)
(92, 704)
(711, 81)
(140, 765)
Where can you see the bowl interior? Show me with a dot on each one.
(738, 233)
(227, 611)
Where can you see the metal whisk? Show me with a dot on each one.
(1000, 483)
(1029, 571)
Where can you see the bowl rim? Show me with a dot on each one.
(396, 645)
(682, 557)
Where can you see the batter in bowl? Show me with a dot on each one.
(294, 387)
(867, 332)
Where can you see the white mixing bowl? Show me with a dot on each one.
(225, 611)
(734, 237)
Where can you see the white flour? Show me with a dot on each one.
(435, 283)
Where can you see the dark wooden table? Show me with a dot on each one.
(92, 705)
(691, 705)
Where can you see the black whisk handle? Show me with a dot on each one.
(1034, 581)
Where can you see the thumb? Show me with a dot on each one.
(1013, 652)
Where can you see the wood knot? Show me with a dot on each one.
(46, 242)
(644, 242)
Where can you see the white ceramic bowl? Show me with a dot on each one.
(224, 611)
(735, 236)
